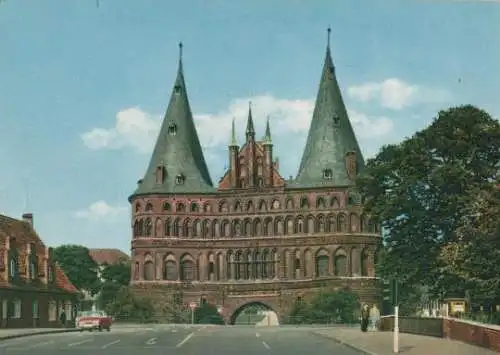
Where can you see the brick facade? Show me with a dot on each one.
(33, 289)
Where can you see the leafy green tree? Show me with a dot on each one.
(417, 191)
(78, 266)
(299, 312)
(114, 276)
(118, 273)
(127, 307)
(327, 307)
(207, 314)
(475, 256)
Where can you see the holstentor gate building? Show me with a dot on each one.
(256, 237)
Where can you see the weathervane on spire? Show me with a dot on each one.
(329, 31)
(180, 50)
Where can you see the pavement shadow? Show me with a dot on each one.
(403, 349)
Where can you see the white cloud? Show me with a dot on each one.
(133, 127)
(395, 94)
(100, 210)
(137, 129)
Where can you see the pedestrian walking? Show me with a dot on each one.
(365, 317)
(62, 318)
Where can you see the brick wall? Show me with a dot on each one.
(487, 336)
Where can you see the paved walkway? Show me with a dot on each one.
(380, 343)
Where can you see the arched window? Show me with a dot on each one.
(149, 271)
(365, 258)
(149, 227)
(149, 207)
(322, 265)
(170, 271)
(340, 265)
(187, 270)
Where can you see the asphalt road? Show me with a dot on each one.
(181, 340)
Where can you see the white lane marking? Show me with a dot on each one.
(151, 341)
(266, 345)
(174, 330)
(41, 344)
(79, 342)
(109, 344)
(185, 340)
(257, 335)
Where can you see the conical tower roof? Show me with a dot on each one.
(331, 138)
(177, 150)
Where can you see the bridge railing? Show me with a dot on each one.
(475, 333)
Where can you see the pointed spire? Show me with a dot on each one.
(177, 148)
(267, 136)
(233, 142)
(250, 131)
(331, 138)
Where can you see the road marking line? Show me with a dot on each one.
(41, 344)
(257, 335)
(109, 344)
(185, 340)
(151, 341)
(79, 342)
(266, 345)
(174, 330)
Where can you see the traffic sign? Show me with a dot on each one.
(193, 305)
(220, 309)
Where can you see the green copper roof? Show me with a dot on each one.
(177, 150)
(330, 137)
(267, 136)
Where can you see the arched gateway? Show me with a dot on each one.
(254, 313)
(256, 236)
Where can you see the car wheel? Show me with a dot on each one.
(100, 328)
(108, 329)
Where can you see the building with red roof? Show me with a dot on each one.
(34, 290)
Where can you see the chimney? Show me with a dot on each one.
(28, 218)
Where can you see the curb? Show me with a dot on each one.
(22, 335)
(338, 341)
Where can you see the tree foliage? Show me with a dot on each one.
(129, 308)
(327, 307)
(207, 314)
(78, 266)
(420, 189)
(118, 273)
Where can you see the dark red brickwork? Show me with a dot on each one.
(487, 336)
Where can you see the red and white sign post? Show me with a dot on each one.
(193, 306)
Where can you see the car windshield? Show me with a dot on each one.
(91, 314)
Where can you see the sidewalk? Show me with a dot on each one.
(23, 332)
(380, 343)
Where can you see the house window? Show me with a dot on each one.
(327, 174)
(12, 268)
(17, 309)
(32, 270)
(69, 310)
(179, 179)
(52, 311)
(172, 129)
(34, 309)
(51, 273)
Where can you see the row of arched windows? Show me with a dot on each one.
(247, 227)
(255, 264)
(320, 202)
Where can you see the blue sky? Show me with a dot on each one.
(83, 88)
